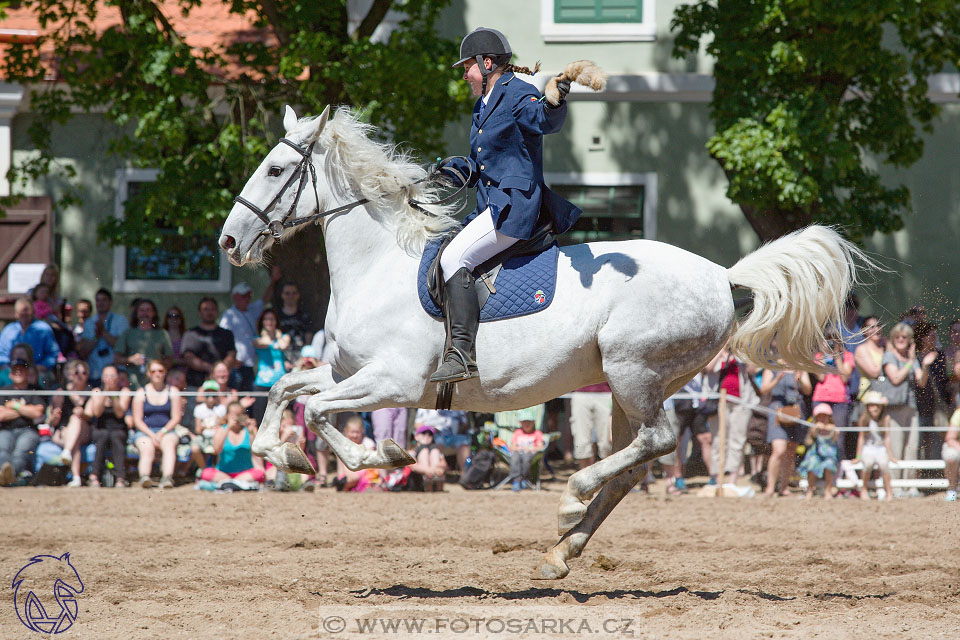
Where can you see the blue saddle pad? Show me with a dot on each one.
(525, 285)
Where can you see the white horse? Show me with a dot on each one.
(642, 315)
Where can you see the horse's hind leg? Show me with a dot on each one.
(654, 439)
(554, 563)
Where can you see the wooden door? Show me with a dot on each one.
(26, 235)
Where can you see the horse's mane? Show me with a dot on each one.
(385, 175)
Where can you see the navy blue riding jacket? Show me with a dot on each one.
(506, 154)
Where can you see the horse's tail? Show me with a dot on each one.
(800, 283)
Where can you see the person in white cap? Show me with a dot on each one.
(241, 319)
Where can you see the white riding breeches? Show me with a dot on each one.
(475, 244)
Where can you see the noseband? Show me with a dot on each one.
(276, 227)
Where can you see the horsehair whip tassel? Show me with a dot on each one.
(583, 72)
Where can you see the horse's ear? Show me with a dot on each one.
(317, 126)
(289, 119)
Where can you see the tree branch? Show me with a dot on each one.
(373, 19)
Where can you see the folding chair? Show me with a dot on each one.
(504, 456)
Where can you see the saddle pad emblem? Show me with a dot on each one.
(540, 297)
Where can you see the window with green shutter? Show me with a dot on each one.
(597, 11)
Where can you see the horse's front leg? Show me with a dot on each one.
(287, 456)
(370, 388)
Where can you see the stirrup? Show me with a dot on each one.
(455, 367)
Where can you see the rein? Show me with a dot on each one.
(288, 221)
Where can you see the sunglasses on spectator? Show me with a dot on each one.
(158, 370)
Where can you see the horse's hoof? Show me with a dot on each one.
(294, 460)
(392, 455)
(552, 568)
(570, 514)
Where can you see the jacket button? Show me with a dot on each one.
(479, 130)
(479, 149)
(482, 167)
(488, 183)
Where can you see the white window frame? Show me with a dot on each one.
(124, 285)
(598, 32)
(647, 180)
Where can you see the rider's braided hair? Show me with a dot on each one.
(524, 70)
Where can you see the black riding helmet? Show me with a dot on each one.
(485, 43)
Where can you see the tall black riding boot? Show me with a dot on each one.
(462, 312)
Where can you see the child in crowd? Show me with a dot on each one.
(236, 466)
(364, 479)
(823, 452)
(873, 443)
(951, 456)
(208, 416)
(290, 431)
(525, 443)
(430, 465)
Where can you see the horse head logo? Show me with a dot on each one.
(38, 577)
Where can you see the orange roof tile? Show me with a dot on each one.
(209, 25)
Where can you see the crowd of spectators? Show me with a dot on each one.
(143, 388)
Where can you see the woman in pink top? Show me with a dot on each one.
(831, 388)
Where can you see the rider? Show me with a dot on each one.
(506, 167)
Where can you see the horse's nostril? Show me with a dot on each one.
(228, 242)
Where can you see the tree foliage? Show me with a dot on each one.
(809, 91)
(205, 116)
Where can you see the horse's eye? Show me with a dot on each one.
(274, 172)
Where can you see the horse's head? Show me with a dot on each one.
(283, 187)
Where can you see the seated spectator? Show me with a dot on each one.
(100, 335)
(290, 431)
(526, 442)
(450, 427)
(176, 326)
(364, 479)
(874, 447)
(236, 465)
(19, 417)
(156, 412)
(70, 415)
(20, 351)
(431, 465)
(208, 417)
(106, 413)
(294, 321)
(317, 448)
(142, 342)
(207, 344)
(951, 457)
(34, 332)
(822, 458)
(221, 375)
(83, 310)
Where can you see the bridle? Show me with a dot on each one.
(277, 227)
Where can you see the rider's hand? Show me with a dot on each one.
(563, 88)
(449, 173)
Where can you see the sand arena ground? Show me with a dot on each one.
(188, 564)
